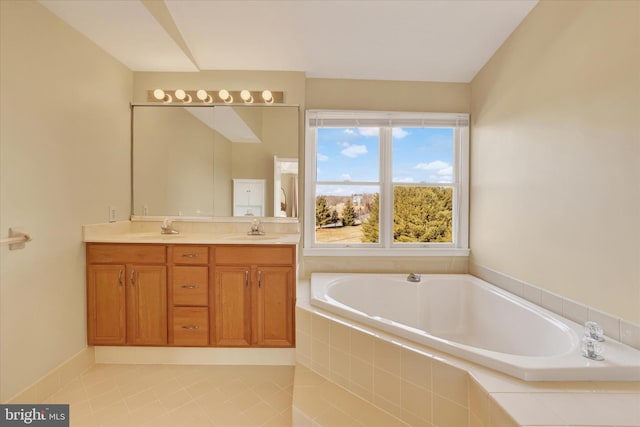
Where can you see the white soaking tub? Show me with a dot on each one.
(470, 318)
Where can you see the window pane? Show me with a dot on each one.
(422, 214)
(422, 155)
(348, 154)
(347, 214)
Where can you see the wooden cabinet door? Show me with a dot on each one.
(232, 310)
(106, 315)
(273, 313)
(147, 305)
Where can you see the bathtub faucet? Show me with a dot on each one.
(413, 277)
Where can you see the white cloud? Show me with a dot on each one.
(343, 144)
(399, 133)
(322, 157)
(354, 151)
(349, 132)
(448, 171)
(369, 131)
(433, 166)
(345, 177)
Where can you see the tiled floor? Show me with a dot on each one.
(193, 396)
(172, 395)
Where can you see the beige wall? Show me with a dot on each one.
(555, 154)
(64, 153)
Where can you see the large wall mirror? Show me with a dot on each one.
(185, 159)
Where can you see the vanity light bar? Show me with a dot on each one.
(222, 96)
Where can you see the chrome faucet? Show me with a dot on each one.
(167, 227)
(413, 277)
(255, 229)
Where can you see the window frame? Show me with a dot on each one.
(387, 121)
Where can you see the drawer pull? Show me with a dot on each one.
(120, 272)
(259, 278)
(133, 277)
(190, 286)
(190, 327)
(190, 255)
(246, 278)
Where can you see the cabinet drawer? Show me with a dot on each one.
(190, 254)
(126, 254)
(278, 255)
(190, 326)
(190, 285)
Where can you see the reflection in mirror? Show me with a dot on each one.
(184, 159)
(285, 187)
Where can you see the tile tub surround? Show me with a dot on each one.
(422, 386)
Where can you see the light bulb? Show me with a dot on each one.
(160, 95)
(246, 96)
(204, 96)
(225, 96)
(182, 96)
(267, 96)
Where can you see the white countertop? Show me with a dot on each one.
(233, 232)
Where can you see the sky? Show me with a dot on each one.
(351, 155)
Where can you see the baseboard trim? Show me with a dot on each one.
(56, 379)
(195, 356)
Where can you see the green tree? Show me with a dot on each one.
(334, 216)
(422, 214)
(371, 228)
(323, 213)
(348, 214)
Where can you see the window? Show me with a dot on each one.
(386, 183)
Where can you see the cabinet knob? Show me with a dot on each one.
(190, 286)
(120, 273)
(246, 278)
(190, 327)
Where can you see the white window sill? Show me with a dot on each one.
(373, 252)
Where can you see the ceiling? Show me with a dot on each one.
(411, 40)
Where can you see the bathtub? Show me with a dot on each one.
(467, 317)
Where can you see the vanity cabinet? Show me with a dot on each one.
(191, 295)
(126, 294)
(254, 293)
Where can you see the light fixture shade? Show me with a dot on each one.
(267, 96)
(246, 96)
(225, 96)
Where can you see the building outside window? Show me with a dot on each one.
(380, 183)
